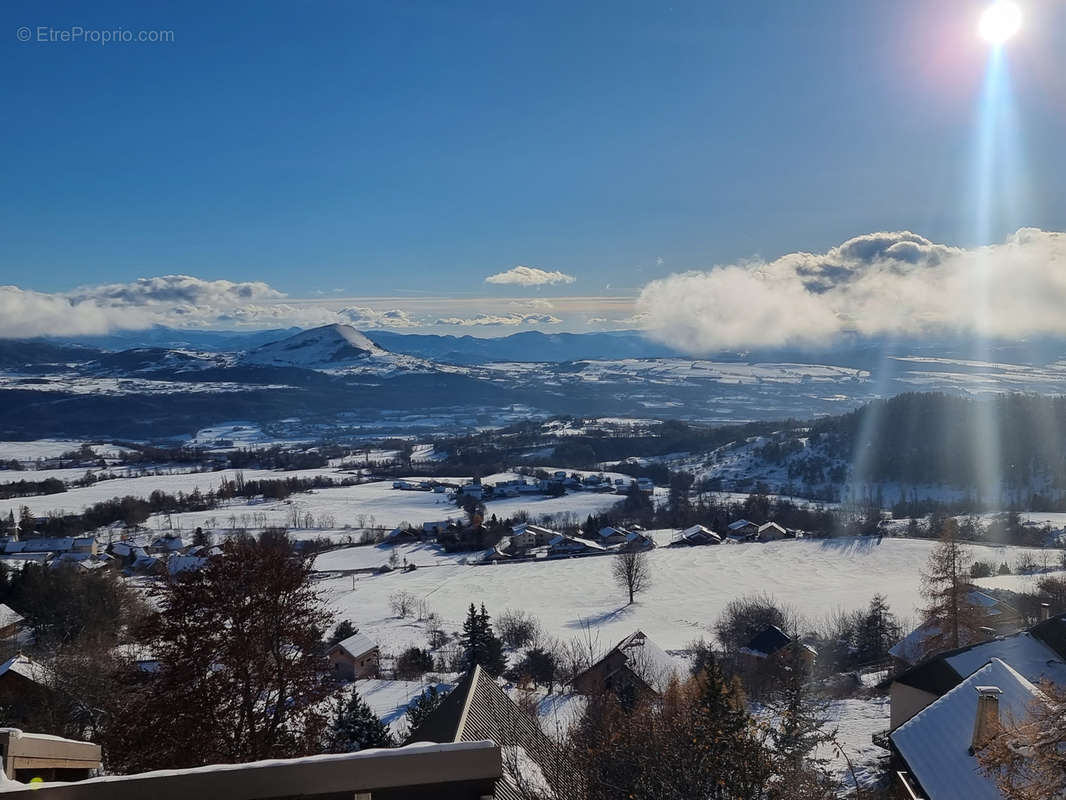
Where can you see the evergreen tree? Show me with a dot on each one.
(878, 632)
(356, 727)
(344, 630)
(424, 706)
(480, 643)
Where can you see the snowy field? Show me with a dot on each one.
(690, 588)
(77, 500)
(50, 448)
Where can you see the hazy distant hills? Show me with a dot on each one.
(334, 379)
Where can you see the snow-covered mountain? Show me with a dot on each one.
(335, 349)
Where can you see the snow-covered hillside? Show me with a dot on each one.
(332, 348)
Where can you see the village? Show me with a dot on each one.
(400, 593)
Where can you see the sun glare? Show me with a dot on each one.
(1000, 21)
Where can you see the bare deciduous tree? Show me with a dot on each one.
(631, 572)
(402, 603)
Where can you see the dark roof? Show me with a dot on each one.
(769, 641)
(936, 675)
(933, 675)
(1052, 632)
(478, 709)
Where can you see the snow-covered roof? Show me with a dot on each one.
(696, 530)
(357, 645)
(647, 659)
(770, 526)
(8, 616)
(740, 523)
(911, 648)
(1024, 652)
(26, 667)
(936, 741)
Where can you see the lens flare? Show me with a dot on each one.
(1000, 21)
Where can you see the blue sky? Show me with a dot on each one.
(398, 149)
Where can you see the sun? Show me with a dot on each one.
(1000, 21)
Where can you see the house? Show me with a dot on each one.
(609, 536)
(1038, 654)
(635, 664)
(772, 642)
(477, 709)
(936, 746)
(399, 535)
(355, 657)
(10, 622)
(85, 544)
(435, 528)
(494, 555)
(637, 540)
(770, 532)
(466, 770)
(1000, 617)
(167, 543)
(25, 688)
(563, 545)
(742, 530)
(696, 535)
(645, 485)
(525, 536)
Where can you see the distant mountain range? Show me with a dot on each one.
(335, 380)
(524, 346)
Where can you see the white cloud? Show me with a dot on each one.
(881, 283)
(179, 301)
(535, 303)
(362, 317)
(500, 319)
(529, 276)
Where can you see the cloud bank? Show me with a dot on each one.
(481, 320)
(878, 284)
(179, 301)
(530, 276)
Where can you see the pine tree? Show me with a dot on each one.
(878, 632)
(425, 705)
(480, 644)
(356, 727)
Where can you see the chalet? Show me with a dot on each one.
(477, 709)
(770, 532)
(167, 543)
(772, 643)
(637, 540)
(609, 536)
(81, 544)
(494, 555)
(742, 530)
(696, 535)
(25, 688)
(435, 528)
(635, 664)
(1001, 618)
(1038, 654)
(525, 536)
(473, 490)
(400, 535)
(10, 622)
(355, 657)
(563, 545)
(936, 746)
(645, 485)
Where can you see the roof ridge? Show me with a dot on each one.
(475, 676)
